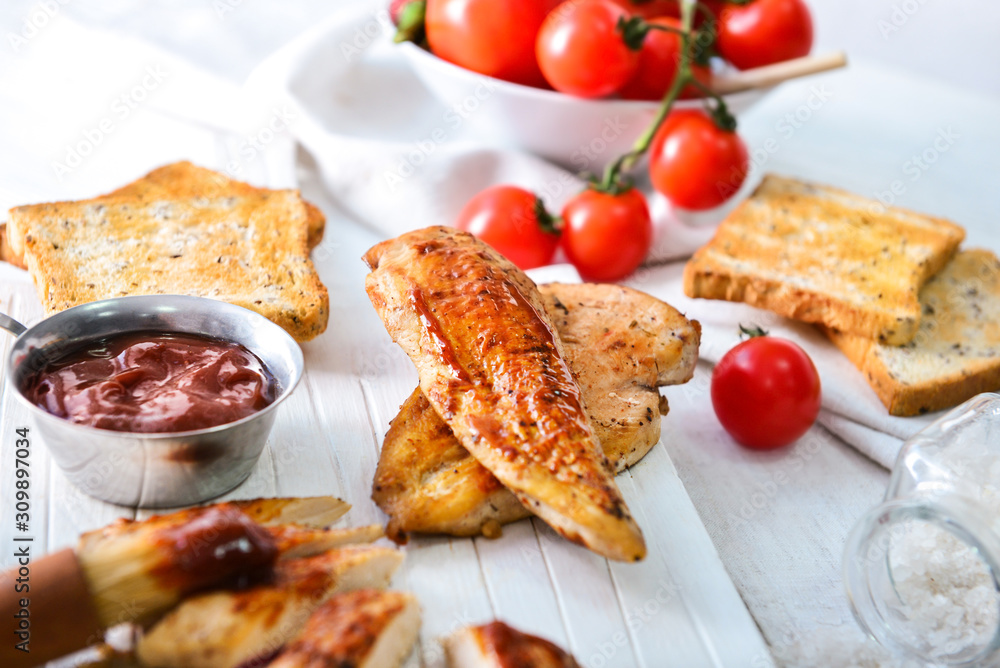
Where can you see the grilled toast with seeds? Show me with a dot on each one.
(490, 365)
(180, 180)
(183, 180)
(250, 250)
(956, 352)
(822, 255)
(6, 252)
(620, 345)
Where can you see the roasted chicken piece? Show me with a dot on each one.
(496, 645)
(317, 512)
(491, 366)
(361, 629)
(294, 542)
(620, 344)
(225, 629)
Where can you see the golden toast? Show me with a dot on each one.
(823, 255)
(183, 180)
(6, 252)
(180, 180)
(174, 233)
(955, 353)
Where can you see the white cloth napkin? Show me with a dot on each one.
(352, 101)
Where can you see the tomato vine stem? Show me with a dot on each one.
(615, 178)
(613, 175)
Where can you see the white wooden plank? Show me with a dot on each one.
(444, 575)
(519, 583)
(682, 585)
(588, 599)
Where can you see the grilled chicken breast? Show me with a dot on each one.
(224, 629)
(361, 629)
(426, 482)
(496, 645)
(491, 366)
(620, 344)
(316, 512)
(294, 542)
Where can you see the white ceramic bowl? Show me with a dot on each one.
(583, 135)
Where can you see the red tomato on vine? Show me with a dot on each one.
(764, 32)
(582, 50)
(696, 164)
(606, 235)
(658, 64)
(514, 221)
(492, 37)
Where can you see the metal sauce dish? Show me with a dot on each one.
(154, 470)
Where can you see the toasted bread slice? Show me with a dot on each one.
(497, 645)
(955, 354)
(6, 252)
(183, 180)
(620, 345)
(367, 628)
(490, 365)
(250, 250)
(225, 629)
(822, 255)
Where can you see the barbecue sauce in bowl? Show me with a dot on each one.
(153, 382)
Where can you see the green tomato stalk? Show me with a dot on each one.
(634, 30)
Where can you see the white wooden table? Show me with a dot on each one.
(327, 437)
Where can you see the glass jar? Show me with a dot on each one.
(922, 569)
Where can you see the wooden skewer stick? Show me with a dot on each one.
(772, 75)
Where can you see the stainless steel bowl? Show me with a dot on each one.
(154, 470)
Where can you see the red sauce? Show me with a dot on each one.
(212, 546)
(152, 382)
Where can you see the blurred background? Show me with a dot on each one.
(956, 41)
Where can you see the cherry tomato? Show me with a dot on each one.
(582, 52)
(658, 64)
(696, 164)
(764, 32)
(492, 37)
(651, 9)
(766, 392)
(606, 236)
(509, 219)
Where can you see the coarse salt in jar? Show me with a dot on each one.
(922, 569)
